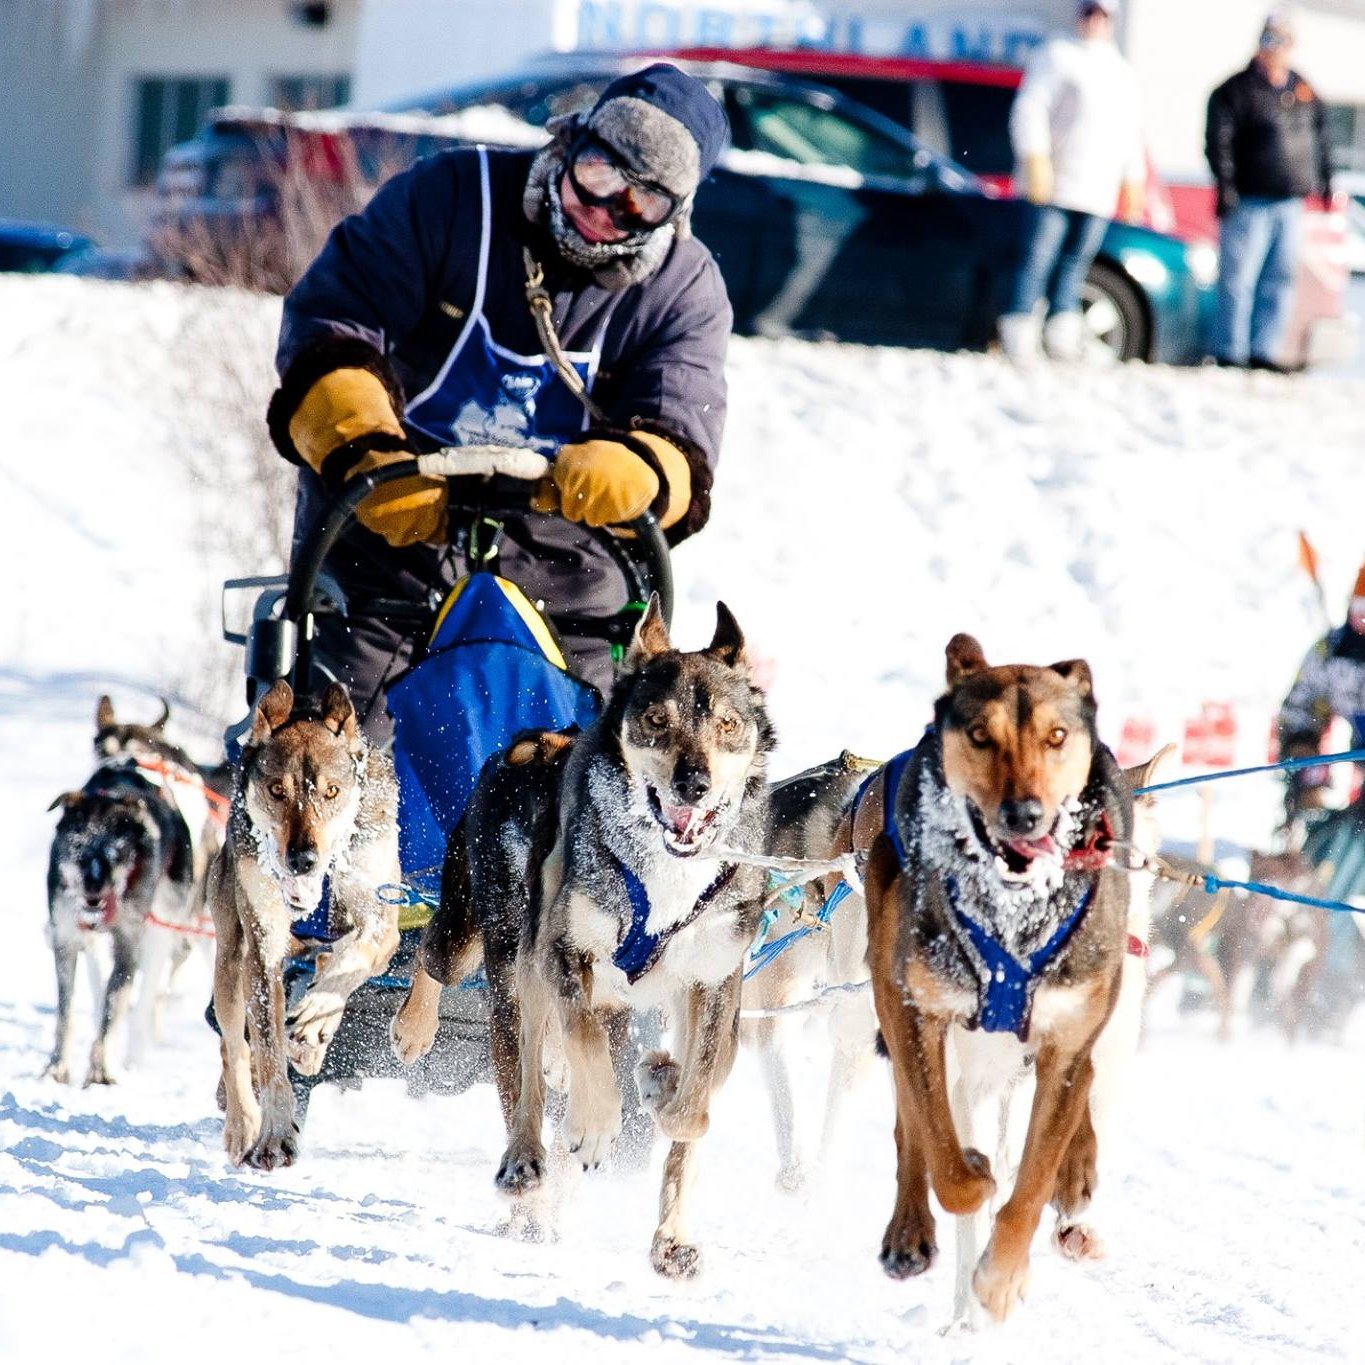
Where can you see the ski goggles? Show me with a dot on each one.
(599, 179)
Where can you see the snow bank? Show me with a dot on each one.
(870, 503)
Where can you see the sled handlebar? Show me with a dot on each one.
(490, 482)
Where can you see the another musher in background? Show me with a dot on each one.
(412, 331)
(1267, 146)
(1331, 683)
(1076, 125)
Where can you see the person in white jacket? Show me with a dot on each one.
(1076, 126)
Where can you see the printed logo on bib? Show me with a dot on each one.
(509, 420)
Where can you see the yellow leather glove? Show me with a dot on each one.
(602, 482)
(407, 511)
(1038, 180)
(344, 406)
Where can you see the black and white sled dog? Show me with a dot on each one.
(638, 910)
(122, 855)
(201, 796)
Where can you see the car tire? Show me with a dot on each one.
(1115, 314)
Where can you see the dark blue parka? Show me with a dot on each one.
(394, 290)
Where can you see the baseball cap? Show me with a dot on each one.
(1109, 7)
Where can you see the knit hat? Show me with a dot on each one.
(664, 125)
(1278, 30)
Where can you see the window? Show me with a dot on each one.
(1346, 136)
(296, 93)
(806, 133)
(979, 126)
(170, 111)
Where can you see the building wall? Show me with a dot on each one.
(68, 80)
(406, 47)
(248, 41)
(47, 153)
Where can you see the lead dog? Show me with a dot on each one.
(635, 910)
(994, 914)
(314, 809)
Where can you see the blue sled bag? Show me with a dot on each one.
(491, 668)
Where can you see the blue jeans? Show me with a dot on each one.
(1257, 245)
(1061, 245)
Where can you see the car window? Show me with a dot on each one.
(978, 118)
(28, 258)
(797, 130)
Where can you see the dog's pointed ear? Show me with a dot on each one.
(727, 644)
(160, 722)
(104, 714)
(1144, 773)
(965, 656)
(272, 711)
(1077, 673)
(66, 799)
(651, 635)
(338, 712)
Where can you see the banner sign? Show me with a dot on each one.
(972, 33)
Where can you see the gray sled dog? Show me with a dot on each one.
(637, 910)
(810, 817)
(121, 855)
(315, 809)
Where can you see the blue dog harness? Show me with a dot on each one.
(640, 950)
(1004, 1000)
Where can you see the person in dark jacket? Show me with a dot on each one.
(412, 331)
(1266, 144)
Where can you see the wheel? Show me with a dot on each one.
(1114, 315)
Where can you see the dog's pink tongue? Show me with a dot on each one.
(1034, 848)
(678, 818)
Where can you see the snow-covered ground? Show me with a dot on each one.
(870, 503)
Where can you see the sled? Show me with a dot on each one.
(489, 666)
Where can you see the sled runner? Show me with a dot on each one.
(490, 666)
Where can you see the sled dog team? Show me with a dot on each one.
(621, 869)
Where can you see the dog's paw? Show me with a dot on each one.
(57, 1070)
(305, 1058)
(656, 1078)
(311, 1026)
(412, 1032)
(674, 1260)
(793, 1177)
(967, 1189)
(240, 1131)
(522, 1170)
(99, 1074)
(1078, 1242)
(591, 1127)
(908, 1248)
(1000, 1285)
(274, 1149)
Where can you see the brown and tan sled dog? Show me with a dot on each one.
(993, 908)
(314, 806)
